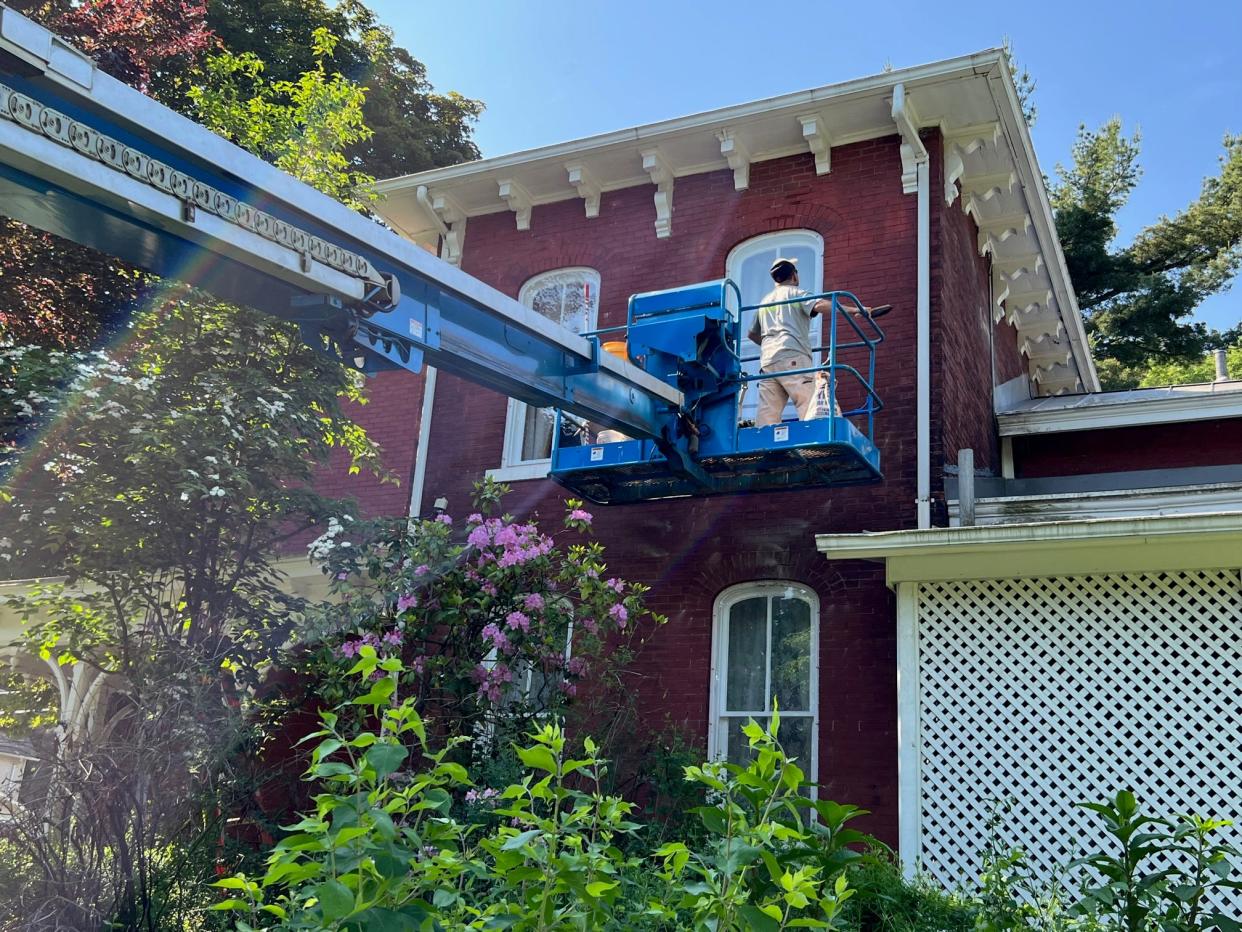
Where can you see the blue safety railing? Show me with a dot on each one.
(847, 307)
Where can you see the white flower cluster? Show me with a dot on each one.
(325, 543)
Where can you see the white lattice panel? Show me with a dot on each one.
(1053, 691)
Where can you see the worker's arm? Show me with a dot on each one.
(754, 335)
(821, 307)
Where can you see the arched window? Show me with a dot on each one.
(569, 297)
(766, 644)
(748, 265)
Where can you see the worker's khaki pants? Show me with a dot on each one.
(773, 393)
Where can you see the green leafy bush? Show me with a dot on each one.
(384, 849)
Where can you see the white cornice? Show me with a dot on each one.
(1018, 136)
(1124, 409)
(963, 66)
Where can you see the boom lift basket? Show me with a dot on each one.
(690, 337)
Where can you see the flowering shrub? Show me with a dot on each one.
(493, 616)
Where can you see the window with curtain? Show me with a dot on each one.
(748, 265)
(766, 646)
(569, 297)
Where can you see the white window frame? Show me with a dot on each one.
(815, 284)
(512, 466)
(716, 749)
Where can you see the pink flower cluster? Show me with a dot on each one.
(579, 515)
(620, 615)
(518, 543)
(498, 639)
(533, 602)
(351, 648)
(492, 680)
(616, 585)
(577, 666)
(519, 621)
(484, 797)
(405, 602)
(444, 519)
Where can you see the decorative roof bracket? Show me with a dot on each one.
(655, 165)
(958, 145)
(999, 229)
(588, 187)
(738, 157)
(815, 134)
(1022, 302)
(912, 149)
(518, 199)
(451, 220)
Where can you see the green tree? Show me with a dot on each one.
(414, 127)
(1155, 373)
(1138, 299)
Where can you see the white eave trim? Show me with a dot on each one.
(875, 545)
(1052, 548)
(724, 117)
(1148, 412)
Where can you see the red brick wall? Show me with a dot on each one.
(390, 416)
(691, 550)
(1161, 446)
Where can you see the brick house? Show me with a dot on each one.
(1048, 617)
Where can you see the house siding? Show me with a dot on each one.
(1162, 446)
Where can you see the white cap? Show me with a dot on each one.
(782, 261)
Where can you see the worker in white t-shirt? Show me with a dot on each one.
(783, 332)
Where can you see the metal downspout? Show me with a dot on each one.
(923, 337)
(429, 386)
(424, 441)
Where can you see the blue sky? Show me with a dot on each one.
(558, 70)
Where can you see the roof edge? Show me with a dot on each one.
(880, 81)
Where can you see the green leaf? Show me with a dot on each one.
(379, 694)
(335, 899)
(520, 841)
(759, 920)
(230, 904)
(384, 759)
(599, 888)
(235, 883)
(537, 757)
